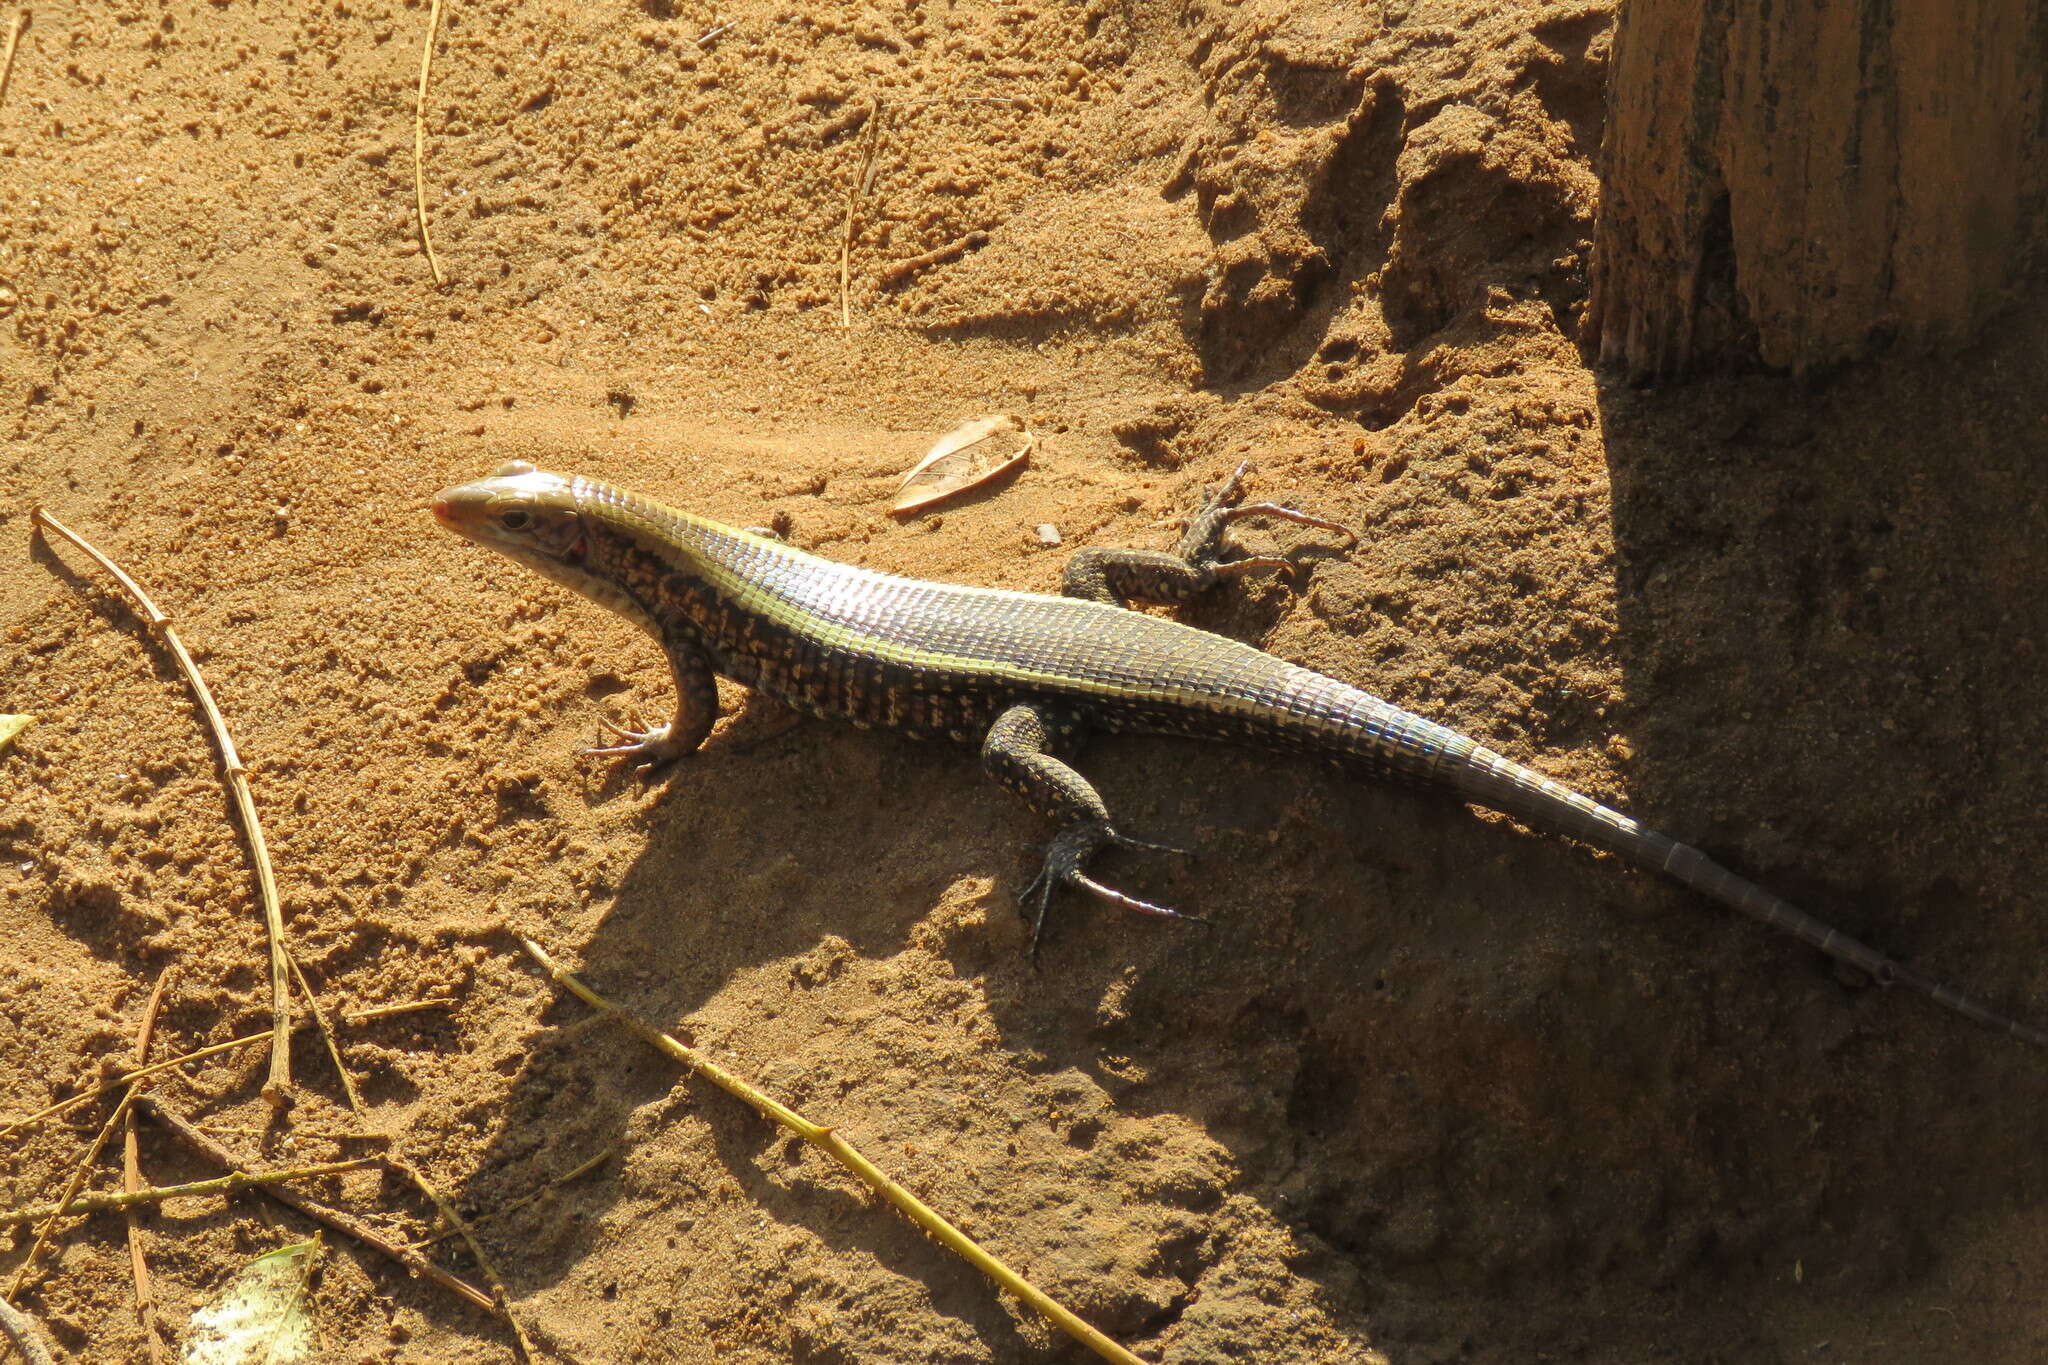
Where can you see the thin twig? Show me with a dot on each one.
(499, 1294)
(855, 193)
(71, 1189)
(501, 1298)
(154, 1068)
(232, 1183)
(278, 1088)
(896, 275)
(131, 1181)
(14, 28)
(397, 1161)
(581, 1169)
(348, 1082)
(26, 1334)
(419, 141)
(298, 1134)
(363, 1016)
(346, 1223)
(909, 1204)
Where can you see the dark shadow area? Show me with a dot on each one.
(1831, 619)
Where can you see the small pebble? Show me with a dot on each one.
(1048, 534)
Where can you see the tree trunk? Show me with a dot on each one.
(1806, 181)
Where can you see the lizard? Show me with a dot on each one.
(1027, 675)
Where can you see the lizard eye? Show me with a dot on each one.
(518, 519)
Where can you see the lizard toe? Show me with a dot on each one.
(648, 750)
(1125, 841)
(1063, 866)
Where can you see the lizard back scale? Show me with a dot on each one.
(1026, 675)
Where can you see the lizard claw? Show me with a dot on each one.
(1223, 499)
(1293, 514)
(621, 731)
(649, 749)
(1070, 850)
(1141, 846)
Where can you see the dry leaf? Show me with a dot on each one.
(10, 726)
(969, 455)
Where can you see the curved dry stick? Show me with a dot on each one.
(419, 142)
(278, 1088)
(871, 1175)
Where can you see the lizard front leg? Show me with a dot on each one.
(696, 709)
(1198, 563)
(1019, 753)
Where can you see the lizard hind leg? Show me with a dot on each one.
(1203, 558)
(1019, 753)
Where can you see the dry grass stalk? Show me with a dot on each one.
(278, 1089)
(855, 193)
(346, 1223)
(298, 1134)
(131, 1181)
(581, 1169)
(843, 1151)
(900, 273)
(232, 1183)
(368, 1013)
(397, 1161)
(154, 1068)
(500, 1296)
(14, 28)
(348, 1082)
(419, 142)
(71, 1189)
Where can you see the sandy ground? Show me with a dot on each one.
(1430, 1089)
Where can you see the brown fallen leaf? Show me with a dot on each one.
(965, 457)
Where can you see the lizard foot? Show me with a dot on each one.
(1071, 848)
(649, 750)
(1221, 502)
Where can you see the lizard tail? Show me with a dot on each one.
(1492, 780)
(1703, 874)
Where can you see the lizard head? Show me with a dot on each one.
(523, 513)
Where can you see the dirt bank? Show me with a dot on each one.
(1428, 1086)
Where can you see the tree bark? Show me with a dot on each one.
(1806, 181)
